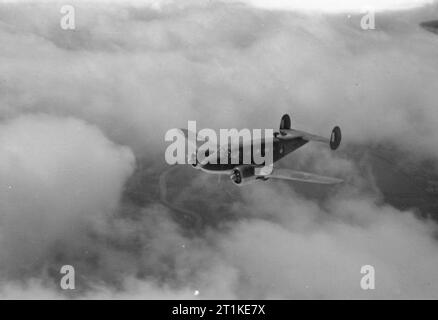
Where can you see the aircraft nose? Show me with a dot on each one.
(431, 26)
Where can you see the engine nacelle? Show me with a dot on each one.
(243, 175)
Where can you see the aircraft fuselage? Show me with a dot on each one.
(281, 148)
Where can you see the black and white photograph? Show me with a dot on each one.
(220, 150)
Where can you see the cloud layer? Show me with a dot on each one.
(83, 116)
(336, 6)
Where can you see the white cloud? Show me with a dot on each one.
(129, 75)
(336, 6)
(59, 176)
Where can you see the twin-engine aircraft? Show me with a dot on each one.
(284, 142)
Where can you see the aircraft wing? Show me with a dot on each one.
(197, 140)
(286, 174)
